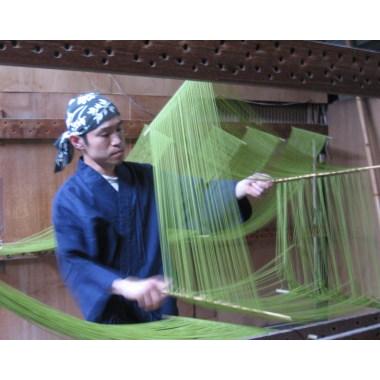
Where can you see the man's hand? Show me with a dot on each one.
(149, 293)
(254, 185)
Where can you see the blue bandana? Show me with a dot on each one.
(84, 113)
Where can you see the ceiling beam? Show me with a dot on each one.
(291, 64)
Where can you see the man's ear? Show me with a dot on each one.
(77, 142)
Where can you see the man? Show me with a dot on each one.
(106, 223)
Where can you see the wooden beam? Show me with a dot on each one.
(329, 328)
(292, 64)
(282, 130)
(50, 129)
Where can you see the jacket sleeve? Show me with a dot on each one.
(89, 281)
(221, 196)
(217, 205)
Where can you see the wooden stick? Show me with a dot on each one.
(231, 307)
(325, 174)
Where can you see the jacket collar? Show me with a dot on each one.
(92, 177)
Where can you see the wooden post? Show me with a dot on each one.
(365, 125)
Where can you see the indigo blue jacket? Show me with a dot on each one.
(103, 234)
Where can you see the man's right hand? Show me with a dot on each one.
(149, 293)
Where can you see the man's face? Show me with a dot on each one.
(105, 145)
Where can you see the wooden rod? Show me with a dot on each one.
(324, 174)
(231, 307)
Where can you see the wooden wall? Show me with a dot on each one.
(347, 147)
(28, 184)
(38, 278)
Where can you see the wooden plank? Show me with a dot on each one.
(38, 278)
(29, 81)
(53, 105)
(29, 185)
(291, 64)
(26, 80)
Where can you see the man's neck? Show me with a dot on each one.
(108, 170)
